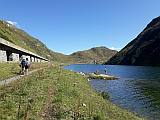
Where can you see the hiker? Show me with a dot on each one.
(22, 65)
(105, 70)
(27, 65)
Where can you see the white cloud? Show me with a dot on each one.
(12, 23)
(113, 48)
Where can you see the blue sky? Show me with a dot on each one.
(67, 26)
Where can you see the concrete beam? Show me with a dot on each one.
(43, 61)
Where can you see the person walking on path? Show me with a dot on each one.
(27, 66)
(22, 65)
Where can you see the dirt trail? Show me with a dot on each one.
(9, 80)
(44, 112)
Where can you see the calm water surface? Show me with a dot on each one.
(137, 90)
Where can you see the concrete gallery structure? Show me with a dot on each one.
(12, 52)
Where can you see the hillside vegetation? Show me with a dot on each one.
(54, 93)
(97, 54)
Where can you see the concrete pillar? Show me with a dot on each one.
(38, 60)
(3, 56)
(15, 57)
(35, 59)
(32, 59)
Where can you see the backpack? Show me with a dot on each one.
(23, 62)
(27, 64)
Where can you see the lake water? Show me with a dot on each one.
(137, 90)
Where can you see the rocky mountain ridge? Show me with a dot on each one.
(143, 50)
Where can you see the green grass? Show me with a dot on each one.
(57, 93)
(8, 70)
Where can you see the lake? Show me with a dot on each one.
(137, 90)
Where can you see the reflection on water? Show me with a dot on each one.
(137, 90)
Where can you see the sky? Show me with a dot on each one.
(67, 26)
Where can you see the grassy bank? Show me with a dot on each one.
(55, 93)
(8, 70)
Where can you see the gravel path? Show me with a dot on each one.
(9, 80)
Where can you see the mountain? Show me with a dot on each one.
(97, 54)
(19, 37)
(143, 50)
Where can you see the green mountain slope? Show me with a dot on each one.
(19, 37)
(97, 54)
(24, 40)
